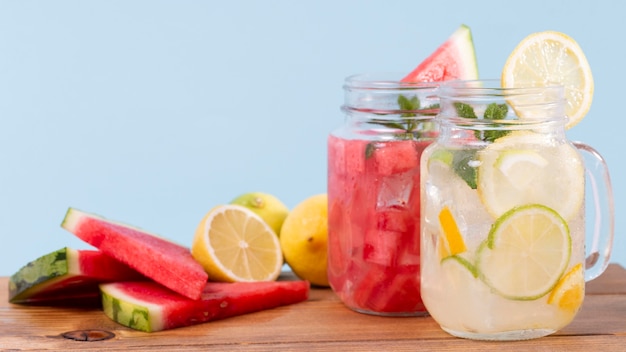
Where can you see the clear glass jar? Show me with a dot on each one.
(503, 213)
(373, 194)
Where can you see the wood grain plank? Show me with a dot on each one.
(320, 324)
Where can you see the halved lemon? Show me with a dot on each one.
(549, 58)
(569, 292)
(526, 167)
(233, 244)
(526, 252)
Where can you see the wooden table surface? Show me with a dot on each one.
(320, 324)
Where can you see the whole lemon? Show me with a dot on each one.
(304, 238)
(271, 209)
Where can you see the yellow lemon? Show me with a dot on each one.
(233, 244)
(271, 209)
(304, 237)
(548, 58)
(523, 168)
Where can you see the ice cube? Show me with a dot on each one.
(395, 190)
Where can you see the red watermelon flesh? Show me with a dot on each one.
(67, 277)
(163, 261)
(148, 306)
(454, 59)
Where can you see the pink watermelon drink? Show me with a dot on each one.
(373, 225)
(374, 197)
(374, 181)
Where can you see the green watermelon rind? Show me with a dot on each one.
(65, 276)
(41, 273)
(149, 307)
(127, 311)
(465, 43)
(461, 44)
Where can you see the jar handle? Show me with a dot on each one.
(598, 186)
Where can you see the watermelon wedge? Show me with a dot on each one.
(163, 261)
(454, 59)
(67, 276)
(148, 306)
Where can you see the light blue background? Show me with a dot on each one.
(153, 112)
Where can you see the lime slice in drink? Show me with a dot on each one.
(465, 263)
(527, 168)
(526, 253)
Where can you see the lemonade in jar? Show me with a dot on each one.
(503, 213)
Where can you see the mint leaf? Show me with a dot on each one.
(410, 104)
(405, 103)
(461, 166)
(465, 110)
(462, 158)
(407, 123)
(494, 112)
(431, 110)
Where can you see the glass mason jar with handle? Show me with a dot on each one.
(503, 213)
(374, 194)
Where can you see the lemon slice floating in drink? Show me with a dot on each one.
(526, 252)
(451, 242)
(524, 168)
(569, 292)
(552, 58)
